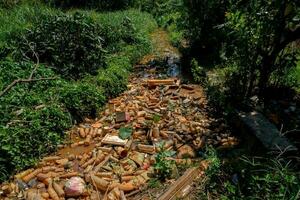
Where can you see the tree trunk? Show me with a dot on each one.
(265, 73)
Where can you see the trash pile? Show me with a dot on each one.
(112, 157)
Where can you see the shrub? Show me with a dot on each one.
(113, 80)
(8, 3)
(82, 99)
(198, 72)
(253, 178)
(123, 28)
(19, 18)
(91, 4)
(69, 43)
(32, 120)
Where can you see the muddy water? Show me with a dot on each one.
(76, 151)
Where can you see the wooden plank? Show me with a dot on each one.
(156, 82)
(186, 179)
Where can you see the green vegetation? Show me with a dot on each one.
(163, 166)
(257, 37)
(64, 59)
(71, 44)
(250, 178)
(71, 61)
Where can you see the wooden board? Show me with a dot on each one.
(184, 181)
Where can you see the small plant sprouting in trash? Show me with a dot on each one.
(156, 118)
(125, 132)
(164, 166)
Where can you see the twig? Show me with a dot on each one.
(23, 81)
(30, 78)
(291, 131)
(37, 60)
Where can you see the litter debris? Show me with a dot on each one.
(114, 140)
(74, 187)
(122, 117)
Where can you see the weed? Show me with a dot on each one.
(252, 178)
(156, 118)
(154, 183)
(163, 166)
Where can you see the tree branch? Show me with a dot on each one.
(30, 78)
(23, 81)
(290, 36)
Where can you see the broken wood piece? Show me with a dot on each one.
(128, 144)
(150, 149)
(187, 87)
(82, 133)
(52, 192)
(104, 174)
(58, 189)
(122, 152)
(22, 174)
(122, 195)
(48, 169)
(97, 168)
(137, 157)
(105, 149)
(89, 162)
(186, 151)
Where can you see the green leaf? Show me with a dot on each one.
(125, 132)
(156, 118)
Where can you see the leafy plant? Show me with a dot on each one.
(82, 99)
(156, 118)
(254, 178)
(125, 132)
(71, 44)
(163, 166)
(153, 183)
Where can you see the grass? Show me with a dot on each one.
(249, 178)
(297, 74)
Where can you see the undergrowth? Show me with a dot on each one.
(250, 178)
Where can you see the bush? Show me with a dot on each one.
(82, 99)
(123, 28)
(253, 178)
(69, 43)
(113, 80)
(91, 4)
(8, 3)
(32, 119)
(20, 18)
(198, 72)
